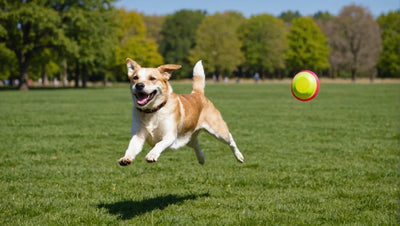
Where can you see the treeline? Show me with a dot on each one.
(88, 40)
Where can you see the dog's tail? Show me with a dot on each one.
(199, 78)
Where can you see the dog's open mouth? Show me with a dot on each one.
(144, 98)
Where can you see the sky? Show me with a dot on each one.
(254, 7)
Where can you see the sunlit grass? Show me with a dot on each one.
(332, 160)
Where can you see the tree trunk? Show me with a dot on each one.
(64, 74)
(77, 76)
(217, 73)
(280, 75)
(84, 81)
(105, 81)
(353, 74)
(45, 77)
(23, 83)
(373, 75)
(84, 76)
(332, 72)
(23, 68)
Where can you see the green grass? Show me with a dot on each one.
(333, 160)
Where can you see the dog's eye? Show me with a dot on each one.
(152, 78)
(135, 78)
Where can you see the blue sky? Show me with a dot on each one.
(253, 7)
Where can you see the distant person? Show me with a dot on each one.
(215, 79)
(256, 77)
(55, 82)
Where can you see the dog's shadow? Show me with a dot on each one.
(130, 209)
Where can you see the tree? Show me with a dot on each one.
(388, 63)
(178, 38)
(92, 25)
(45, 65)
(8, 63)
(264, 43)
(290, 15)
(307, 47)
(325, 22)
(80, 31)
(322, 17)
(217, 43)
(153, 26)
(26, 27)
(133, 43)
(355, 41)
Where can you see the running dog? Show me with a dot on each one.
(166, 120)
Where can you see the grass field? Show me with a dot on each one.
(333, 160)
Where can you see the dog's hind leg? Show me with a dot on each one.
(235, 149)
(194, 143)
(216, 126)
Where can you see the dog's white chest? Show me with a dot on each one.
(156, 129)
(154, 133)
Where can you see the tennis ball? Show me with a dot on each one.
(305, 85)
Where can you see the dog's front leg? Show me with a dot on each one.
(164, 144)
(134, 148)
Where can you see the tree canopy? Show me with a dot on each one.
(29, 27)
(133, 43)
(307, 47)
(289, 15)
(73, 28)
(264, 43)
(322, 16)
(92, 27)
(388, 63)
(355, 40)
(217, 43)
(178, 38)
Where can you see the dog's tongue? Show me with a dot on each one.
(142, 98)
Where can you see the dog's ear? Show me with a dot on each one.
(167, 69)
(132, 66)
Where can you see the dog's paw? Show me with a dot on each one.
(151, 157)
(201, 161)
(239, 156)
(124, 161)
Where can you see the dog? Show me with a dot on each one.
(166, 120)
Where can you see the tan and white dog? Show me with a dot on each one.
(166, 120)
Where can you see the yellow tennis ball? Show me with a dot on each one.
(305, 85)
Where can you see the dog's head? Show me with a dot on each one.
(149, 86)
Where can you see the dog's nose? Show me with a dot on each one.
(139, 86)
